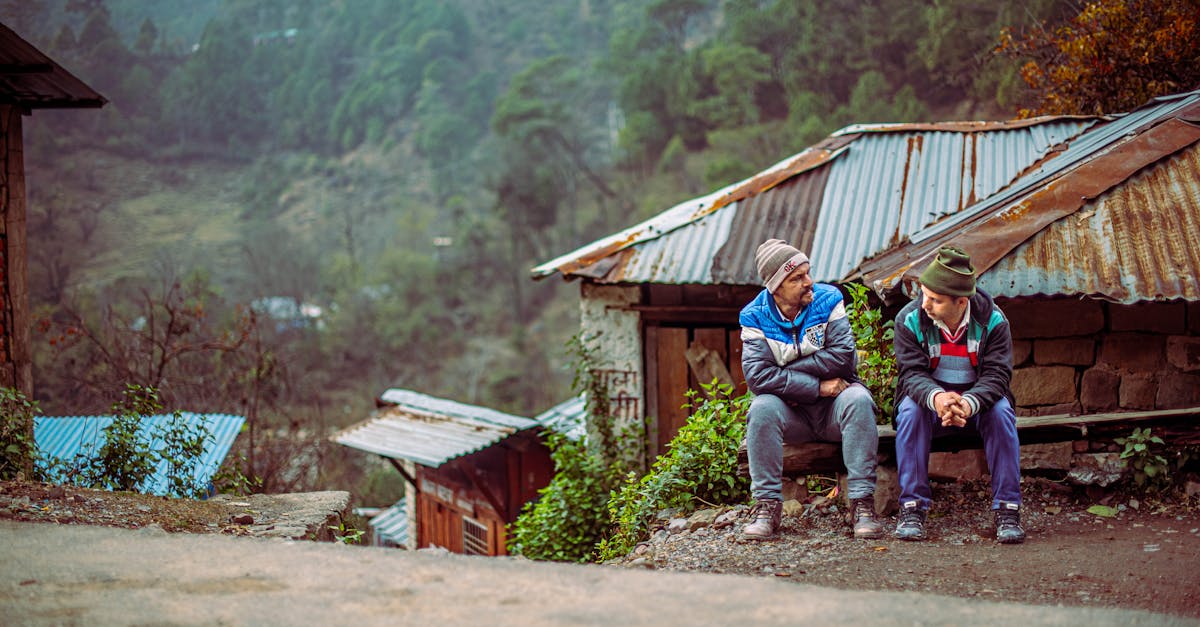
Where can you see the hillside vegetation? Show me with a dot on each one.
(389, 172)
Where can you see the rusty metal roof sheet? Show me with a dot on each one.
(582, 261)
(429, 430)
(32, 80)
(1104, 158)
(1135, 242)
(841, 201)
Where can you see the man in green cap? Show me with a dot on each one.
(954, 355)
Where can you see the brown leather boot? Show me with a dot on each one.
(866, 526)
(766, 515)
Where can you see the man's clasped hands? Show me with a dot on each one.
(952, 408)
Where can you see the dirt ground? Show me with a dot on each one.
(1146, 557)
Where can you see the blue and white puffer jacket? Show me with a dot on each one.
(790, 359)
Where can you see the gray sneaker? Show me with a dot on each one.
(912, 522)
(862, 512)
(766, 515)
(1008, 524)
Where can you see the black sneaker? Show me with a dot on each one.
(1008, 524)
(912, 522)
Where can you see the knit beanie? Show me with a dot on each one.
(951, 273)
(776, 259)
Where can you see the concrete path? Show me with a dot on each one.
(79, 575)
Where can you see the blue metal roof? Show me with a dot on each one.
(390, 527)
(568, 417)
(63, 438)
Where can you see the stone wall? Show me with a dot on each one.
(1088, 356)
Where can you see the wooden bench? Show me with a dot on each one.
(1177, 426)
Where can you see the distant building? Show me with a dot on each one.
(472, 469)
(28, 80)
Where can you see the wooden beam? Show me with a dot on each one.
(826, 457)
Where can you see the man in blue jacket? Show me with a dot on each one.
(799, 359)
(954, 356)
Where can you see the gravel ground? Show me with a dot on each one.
(1145, 557)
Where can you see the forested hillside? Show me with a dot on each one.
(289, 206)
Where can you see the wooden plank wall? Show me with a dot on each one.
(670, 377)
(16, 365)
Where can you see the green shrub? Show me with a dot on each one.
(700, 466)
(570, 515)
(1145, 455)
(126, 461)
(876, 356)
(17, 448)
(568, 518)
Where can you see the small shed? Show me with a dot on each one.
(389, 528)
(62, 439)
(473, 468)
(28, 80)
(1111, 293)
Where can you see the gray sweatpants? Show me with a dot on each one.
(848, 418)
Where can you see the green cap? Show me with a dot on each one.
(951, 273)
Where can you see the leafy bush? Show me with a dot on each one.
(17, 448)
(876, 357)
(568, 519)
(126, 461)
(699, 467)
(1144, 456)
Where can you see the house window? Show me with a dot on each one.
(475, 537)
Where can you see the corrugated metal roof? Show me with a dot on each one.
(1103, 163)
(862, 189)
(30, 79)
(429, 430)
(62, 438)
(568, 417)
(593, 260)
(390, 527)
(1136, 242)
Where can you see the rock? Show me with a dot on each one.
(1133, 352)
(960, 466)
(1044, 385)
(57, 492)
(726, 519)
(1051, 456)
(677, 525)
(1064, 351)
(1191, 488)
(1177, 389)
(667, 514)
(1138, 391)
(153, 529)
(792, 507)
(242, 519)
(887, 491)
(1099, 389)
(1184, 352)
(1096, 469)
(794, 490)
(702, 518)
